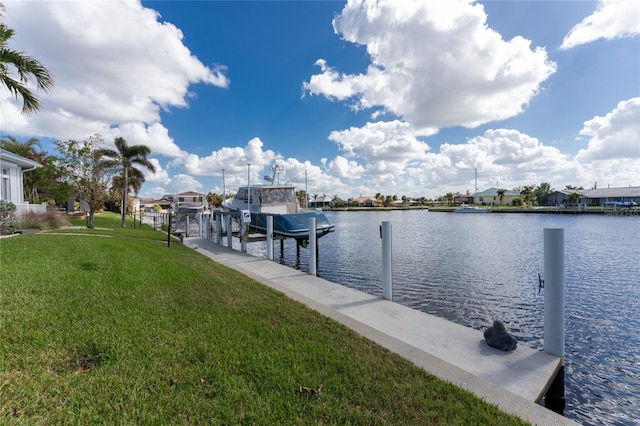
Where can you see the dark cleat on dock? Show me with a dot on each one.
(498, 337)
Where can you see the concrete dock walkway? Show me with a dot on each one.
(512, 380)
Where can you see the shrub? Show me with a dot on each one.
(7, 217)
(516, 202)
(42, 221)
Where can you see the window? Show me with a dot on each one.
(5, 186)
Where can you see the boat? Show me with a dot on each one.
(470, 209)
(279, 201)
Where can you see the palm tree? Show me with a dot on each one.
(126, 157)
(26, 67)
(501, 193)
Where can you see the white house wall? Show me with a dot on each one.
(14, 174)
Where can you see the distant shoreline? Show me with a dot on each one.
(536, 210)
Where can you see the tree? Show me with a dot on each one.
(27, 69)
(573, 188)
(501, 193)
(214, 199)
(528, 193)
(449, 198)
(542, 191)
(88, 171)
(47, 179)
(125, 158)
(573, 197)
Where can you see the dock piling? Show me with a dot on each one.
(387, 284)
(312, 246)
(270, 237)
(554, 340)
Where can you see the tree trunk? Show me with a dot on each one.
(125, 187)
(91, 223)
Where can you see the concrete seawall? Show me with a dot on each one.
(512, 380)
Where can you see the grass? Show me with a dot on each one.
(117, 328)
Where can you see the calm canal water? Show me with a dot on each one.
(472, 268)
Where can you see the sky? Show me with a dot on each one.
(411, 97)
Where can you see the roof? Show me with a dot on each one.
(493, 192)
(18, 159)
(363, 199)
(621, 192)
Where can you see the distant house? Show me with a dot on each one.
(186, 199)
(367, 201)
(490, 197)
(319, 202)
(594, 197)
(12, 169)
(463, 199)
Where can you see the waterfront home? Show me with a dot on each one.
(12, 170)
(367, 201)
(320, 202)
(490, 197)
(594, 197)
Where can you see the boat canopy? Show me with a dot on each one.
(271, 199)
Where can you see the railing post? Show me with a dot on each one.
(387, 283)
(270, 237)
(312, 246)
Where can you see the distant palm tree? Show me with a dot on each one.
(125, 157)
(501, 193)
(26, 68)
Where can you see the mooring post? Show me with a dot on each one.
(312, 246)
(169, 232)
(243, 237)
(229, 231)
(270, 237)
(218, 219)
(554, 312)
(387, 284)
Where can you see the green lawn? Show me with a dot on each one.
(117, 328)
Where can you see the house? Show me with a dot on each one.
(490, 197)
(594, 197)
(463, 199)
(12, 169)
(367, 201)
(321, 201)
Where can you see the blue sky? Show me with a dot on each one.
(397, 97)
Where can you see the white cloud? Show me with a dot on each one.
(612, 19)
(233, 159)
(343, 168)
(161, 176)
(113, 63)
(614, 136)
(175, 185)
(434, 64)
(387, 147)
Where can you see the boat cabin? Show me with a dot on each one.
(270, 199)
